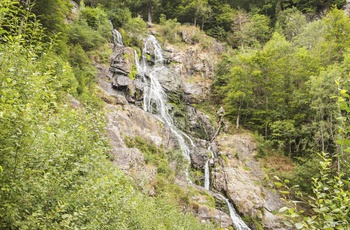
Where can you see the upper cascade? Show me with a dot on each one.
(155, 98)
(117, 37)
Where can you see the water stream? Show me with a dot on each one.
(155, 99)
(207, 170)
(238, 223)
(155, 102)
(117, 37)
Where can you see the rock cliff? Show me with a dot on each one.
(189, 72)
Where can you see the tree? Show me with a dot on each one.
(337, 27)
(240, 29)
(290, 22)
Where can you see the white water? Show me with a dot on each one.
(206, 175)
(155, 99)
(207, 171)
(117, 38)
(238, 223)
(137, 63)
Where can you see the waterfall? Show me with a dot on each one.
(207, 170)
(155, 102)
(117, 37)
(206, 175)
(238, 223)
(155, 99)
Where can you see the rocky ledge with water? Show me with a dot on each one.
(152, 96)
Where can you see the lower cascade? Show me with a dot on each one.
(238, 223)
(207, 170)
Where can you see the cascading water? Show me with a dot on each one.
(207, 171)
(206, 175)
(117, 37)
(155, 102)
(155, 99)
(238, 223)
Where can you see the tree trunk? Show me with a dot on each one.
(150, 11)
(267, 109)
(238, 117)
(25, 3)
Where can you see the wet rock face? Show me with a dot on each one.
(188, 71)
(199, 124)
(195, 67)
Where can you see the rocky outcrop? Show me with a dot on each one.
(125, 121)
(186, 79)
(347, 7)
(122, 74)
(190, 70)
(238, 175)
(195, 66)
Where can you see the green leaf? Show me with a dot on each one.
(343, 142)
(283, 209)
(285, 192)
(287, 223)
(299, 225)
(278, 184)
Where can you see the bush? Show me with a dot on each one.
(133, 32)
(88, 38)
(82, 67)
(169, 29)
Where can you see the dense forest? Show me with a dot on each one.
(285, 76)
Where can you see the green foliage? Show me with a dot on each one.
(249, 30)
(158, 157)
(133, 73)
(52, 14)
(337, 24)
(290, 22)
(133, 32)
(119, 16)
(169, 29)
(330, 201)
(330, 188)
(284, 90)
(54, 171)
(88, 33)
(82, 67)
(90, 30)
(18, 25)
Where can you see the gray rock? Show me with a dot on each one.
(240, 176)
(124, 81)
